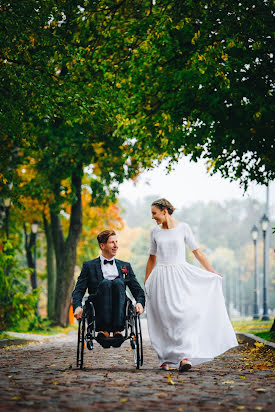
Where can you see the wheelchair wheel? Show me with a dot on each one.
(137, 343)
(80, 343)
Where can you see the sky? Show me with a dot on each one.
(189, 182)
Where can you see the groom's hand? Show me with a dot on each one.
(139, 308)
(78, 312)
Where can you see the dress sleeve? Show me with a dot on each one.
(153, 244)
(190, 239)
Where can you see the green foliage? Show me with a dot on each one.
(16, 301)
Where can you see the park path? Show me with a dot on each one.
(42, 376)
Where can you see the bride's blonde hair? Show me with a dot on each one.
(164, 204)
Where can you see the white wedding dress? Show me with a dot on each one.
(186, 312)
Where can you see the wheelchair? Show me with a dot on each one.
(87, 333)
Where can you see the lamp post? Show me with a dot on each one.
(35, 284)
(34, 231)
(264, 225)
(254, 235)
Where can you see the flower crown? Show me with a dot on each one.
(164, 203)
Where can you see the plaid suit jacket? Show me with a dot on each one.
(91, 275)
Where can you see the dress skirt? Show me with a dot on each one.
(187, 316)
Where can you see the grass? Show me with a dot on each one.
(267, 336)
(43, 328)
(257, 327)
(4, 335)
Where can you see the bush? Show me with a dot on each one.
(16, 302)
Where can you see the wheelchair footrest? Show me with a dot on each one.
(116, 342)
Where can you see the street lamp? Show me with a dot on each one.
(34, 227)
(34, 231)
(254, 235)
(264, 225)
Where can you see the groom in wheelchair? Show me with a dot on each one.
(106, 279)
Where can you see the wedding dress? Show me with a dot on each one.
(186, 311)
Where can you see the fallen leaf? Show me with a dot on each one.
(228, 382)
(54, 382)
(258, 344)
(170, 379)
(161, 395)
(123, 399)
(240, 407)
(260, 390)
(243, 377)
(180, 409)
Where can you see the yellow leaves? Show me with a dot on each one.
(197, 35)
(161, 132)
(225, 57)
(210, 164)
(32, 40)
(156, 124)
(166, 116)
(118, 85)
(240, 407)
(228, 382)
(98, 149)
(171, 382)
(123, 400)
(243, 377)
(54, 382)
(201, 57)
(258, 344)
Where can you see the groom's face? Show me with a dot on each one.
(109, 249)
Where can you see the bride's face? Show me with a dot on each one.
(158, 215)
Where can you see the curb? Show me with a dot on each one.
(250, 338)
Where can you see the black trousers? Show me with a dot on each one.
(109, 303)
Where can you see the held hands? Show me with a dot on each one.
(139, 308)
(78, 312)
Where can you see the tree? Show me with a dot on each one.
(200, 84)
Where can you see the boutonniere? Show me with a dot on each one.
(124, 271)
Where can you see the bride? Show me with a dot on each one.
(187, 318)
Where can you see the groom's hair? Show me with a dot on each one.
(103, 236)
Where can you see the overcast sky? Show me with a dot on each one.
(189, 183)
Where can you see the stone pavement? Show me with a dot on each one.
(42, 376)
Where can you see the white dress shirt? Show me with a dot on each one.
(109, 271)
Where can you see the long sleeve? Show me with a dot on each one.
(80, 287)
(135, 287)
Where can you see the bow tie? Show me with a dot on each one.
(108, 261)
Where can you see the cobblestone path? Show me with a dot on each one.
(42, 376)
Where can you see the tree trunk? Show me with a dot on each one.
(29, 242)
(51, 272)
(273, 327)
(65, 252)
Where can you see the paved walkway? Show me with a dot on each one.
(42, 376)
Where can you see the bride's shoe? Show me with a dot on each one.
(185, 365)
(164, 366)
